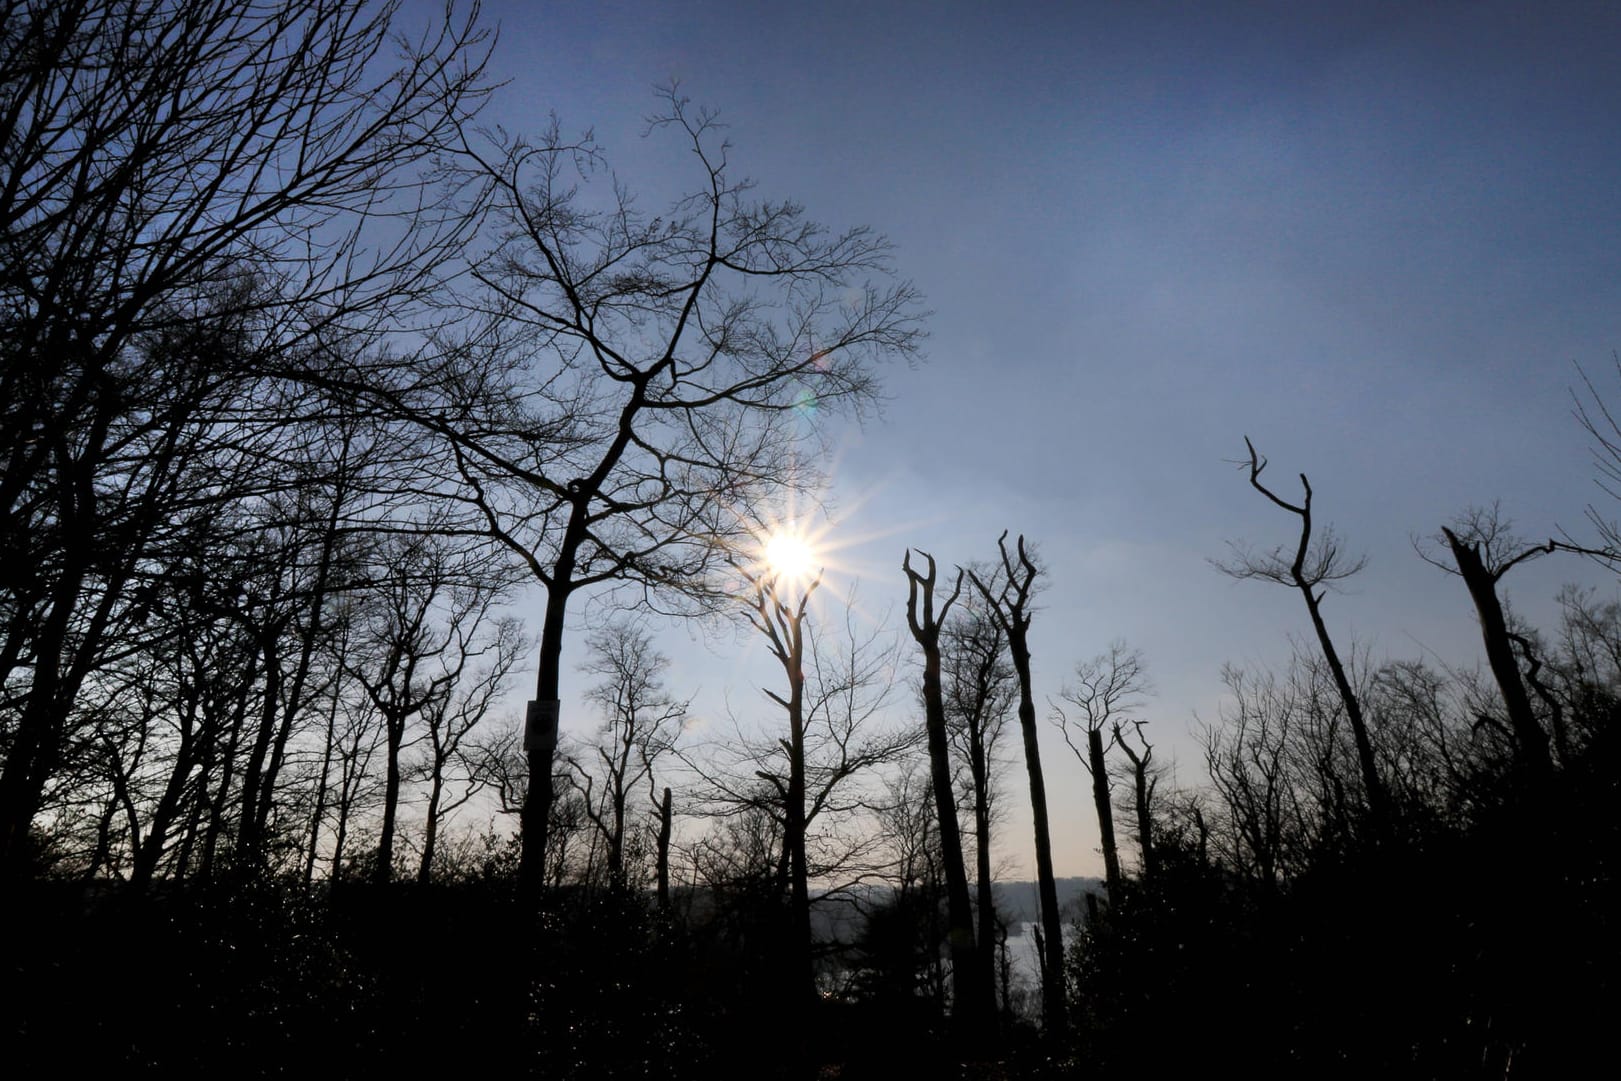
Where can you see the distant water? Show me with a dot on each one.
(1021, 949)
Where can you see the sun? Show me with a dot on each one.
(790, 555)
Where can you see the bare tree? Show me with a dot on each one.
(169, 166)
(670, 360)
(1246, 758)
(818, 782)
(979, 690)
(431, 623)
(450, 720)
(780, 617)
(1145, 780)
(641, 722)
(1011, 605)
(973, 992)
(1314, 566)
(1484, 549)
(1105, 688)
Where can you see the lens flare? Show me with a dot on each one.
(790, 556)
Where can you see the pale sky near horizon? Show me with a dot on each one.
(1376, 238)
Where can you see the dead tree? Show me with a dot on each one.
(1104, 687)
(1144, 782)
(972, 992)
(1484, 551)
(1010, 605)
(1315, 565)
(980, 692)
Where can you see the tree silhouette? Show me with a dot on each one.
(1316, 564)
(1104, 688)
(973, 995)
(667, 364)
(1011, 607)
(175, 174)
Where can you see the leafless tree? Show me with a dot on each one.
(1144, 782)
(838, 742)
(177, 169)
(641, 723)
(980, 691)
(671, 361)
(449, 721)
(973, 992)
(1484, 548)
(431, 624)
(1314, 565)
(1247, 759)
(1105, 689)
(1012, 606)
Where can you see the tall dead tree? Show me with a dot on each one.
(1314, 566)
(1010, 606)
(1144, 782)
(980, 693)
(1483, 551)
(781, 618)
(973, 994)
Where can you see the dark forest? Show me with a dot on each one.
(330, 412)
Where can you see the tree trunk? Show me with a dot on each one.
(1055, 1015)
(1530, 741)
(973, 993)
(664, 853)
(986, 897)
(1145, 822)
(430, 827)
(384, 870)
(794, 817)
(1105, 809)
(540, 739)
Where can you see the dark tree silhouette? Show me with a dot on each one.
(175, 170)
(979, 691)
(665, 361)
(1104, 689)
(1483, 549)
(641, 722)
(1315, 565)
(973, 994)
(1011, 607)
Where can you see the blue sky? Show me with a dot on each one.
(1376, 240)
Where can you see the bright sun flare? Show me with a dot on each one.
(790, 556)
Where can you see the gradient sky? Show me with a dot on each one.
(1377, 241)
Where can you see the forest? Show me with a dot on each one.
(331, 415)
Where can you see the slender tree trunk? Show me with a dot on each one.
(384, 870)
(430, 828)
(985, 898)
(320, 788)
(664, 853)
(1145, 821)
(1378, 798)
(794, 817)
(973, 994)
(1055, 1012)
(1530, 741)
(1105, 809)
(249, 840)
(222, 795)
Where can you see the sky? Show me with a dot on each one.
(1377, 240)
